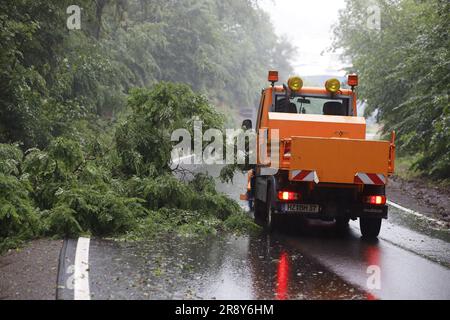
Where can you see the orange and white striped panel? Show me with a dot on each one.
(303, 175)
(370, 178)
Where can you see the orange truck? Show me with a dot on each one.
(326, 168)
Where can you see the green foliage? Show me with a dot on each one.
(35, 74)
(85, 209)
(162, 191)
(53, 79)
(404, 73)
(18, 216)
(228, 171)
(179, 221)
(66, 153)
(144, 140)
(167, 191)
(75, 187)
(219, 204)
(203, 183)
(10, 159)
(82, 150)
(62, 221)
(241, 223)
(221, 49)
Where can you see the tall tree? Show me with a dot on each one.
(404, 68)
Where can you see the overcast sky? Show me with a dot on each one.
(307, 24)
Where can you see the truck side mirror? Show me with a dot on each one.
(247, 124)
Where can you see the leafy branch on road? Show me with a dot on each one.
(128, 190)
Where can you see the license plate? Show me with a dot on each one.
(302, 208)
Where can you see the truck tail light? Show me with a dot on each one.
(375, 200)
(288, 196)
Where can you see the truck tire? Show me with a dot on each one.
(370, 227)
(269, 218)
(263, 212)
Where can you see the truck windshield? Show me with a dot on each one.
(312, 105)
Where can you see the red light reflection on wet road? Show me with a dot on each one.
(283, 277)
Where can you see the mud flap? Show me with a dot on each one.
(262, 184)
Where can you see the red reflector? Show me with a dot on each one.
(288, 195)
(273, 76)
(376, 200)
(352, 80)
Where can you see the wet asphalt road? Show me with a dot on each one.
(226, 267)
(318, 264)
(30, 272)
(305, 260)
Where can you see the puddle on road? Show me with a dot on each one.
(216, 268)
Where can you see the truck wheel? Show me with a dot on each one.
(269, 221)
(370, 227)
(263, 212)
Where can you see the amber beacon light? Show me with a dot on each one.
(333, 85)
(273, 76)
(295, 83)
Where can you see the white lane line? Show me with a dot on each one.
(415, 213)
(81, 272)
(218, 157)
(178, 160)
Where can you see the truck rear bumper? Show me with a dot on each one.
(331, 211)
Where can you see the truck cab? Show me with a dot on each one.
(324, 166)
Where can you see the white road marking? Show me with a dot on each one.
(415, 213)
(183, 158)
(81, 273)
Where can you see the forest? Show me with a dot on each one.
(404, 67)
(86, 115)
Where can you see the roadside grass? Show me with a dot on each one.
(404, 169)
(405, 165)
